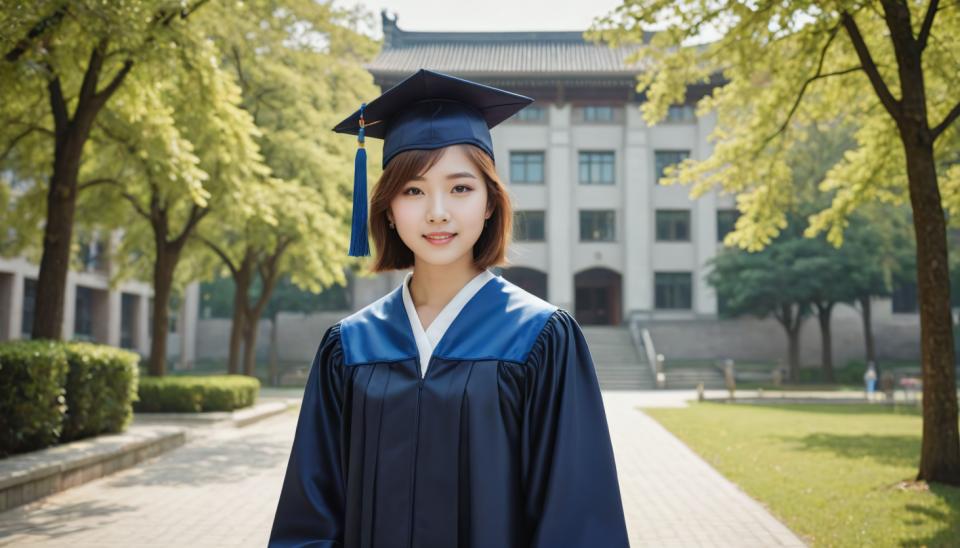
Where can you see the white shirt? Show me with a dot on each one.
(428, 339)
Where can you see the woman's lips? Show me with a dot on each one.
(439, 240)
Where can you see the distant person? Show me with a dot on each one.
(870, 378)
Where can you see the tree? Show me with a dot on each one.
(776, 281)
(63, 63)
(174, 150)
(891, 66)
(299, 66)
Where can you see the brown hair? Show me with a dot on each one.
(392, 254)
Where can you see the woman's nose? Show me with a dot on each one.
(438, 209)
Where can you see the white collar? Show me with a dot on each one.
(428, 339)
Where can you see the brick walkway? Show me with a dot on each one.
(671, 496)
(221, 490)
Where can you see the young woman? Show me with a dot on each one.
(458, 410)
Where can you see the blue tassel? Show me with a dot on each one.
(359, 246)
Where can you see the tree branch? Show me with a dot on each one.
(57, 105)
(223, 256)
(819, 74)
(88, 87)
(927, 24)
(196, 213)
(106, 92)
(15, 140)
(870, 67)
(949, 119)
(41, 27)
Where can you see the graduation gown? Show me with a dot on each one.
(502, 442)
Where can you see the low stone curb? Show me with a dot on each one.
(238, 418)
(30, 476)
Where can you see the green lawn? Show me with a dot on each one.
(832, 473)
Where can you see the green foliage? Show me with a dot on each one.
(787, 66)
(196, 394)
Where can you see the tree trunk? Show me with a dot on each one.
(274, 381)
(163, 268)
(236, 340)
(791, 325)
(241, 283)
(940, 449)
(70, 136)
(250, 346)
(867, 317)
(254, 313)
(793, 341)
(57, 236)
(826, 342)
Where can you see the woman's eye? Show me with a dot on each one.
(407, 191)
(465, 187)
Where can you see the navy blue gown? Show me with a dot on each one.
(504, 443)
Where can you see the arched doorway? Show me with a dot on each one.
(597, 297)
(533, 281)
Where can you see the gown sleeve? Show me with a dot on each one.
(572, 494)
(310, 511)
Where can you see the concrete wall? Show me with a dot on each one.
(896, 337)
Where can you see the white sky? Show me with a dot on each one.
(487, 15)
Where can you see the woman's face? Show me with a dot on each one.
(440, 214)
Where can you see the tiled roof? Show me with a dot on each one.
(499, 53)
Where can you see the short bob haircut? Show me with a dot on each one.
(392, 254)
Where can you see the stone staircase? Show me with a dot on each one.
(618, 365)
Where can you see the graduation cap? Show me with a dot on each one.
(427, 110)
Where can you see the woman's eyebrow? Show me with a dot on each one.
(457, 175)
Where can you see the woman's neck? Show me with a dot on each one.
(434, 286)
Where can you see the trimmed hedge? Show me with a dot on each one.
(55, 391)
(101, 385)
(33, 378)
(197, 394)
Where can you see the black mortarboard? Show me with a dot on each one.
(425, 111)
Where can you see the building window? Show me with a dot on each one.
(93, 254)
(664, 158)
(29, 307)
(597, 113)
(680, 113)
(83, 314)
(673, 225)
(173, 314)
(672, 290)
(531, 114)
(529, 226)
(597, 225)
(128, 319)
(904, 297)
(726, 220)
(526, 167)
(596, 167)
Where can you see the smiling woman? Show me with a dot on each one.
(453, 189)
(459, 409)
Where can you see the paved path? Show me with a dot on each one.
(671, 496)
(221, 490)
